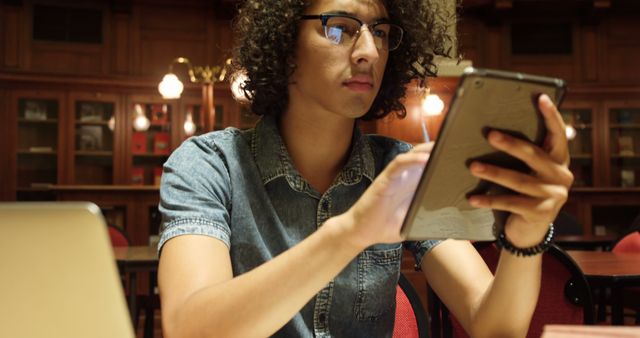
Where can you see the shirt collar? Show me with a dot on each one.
(273, 160)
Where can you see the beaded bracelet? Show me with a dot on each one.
(539, 248)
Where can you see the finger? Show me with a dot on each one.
(403, 162)
(514, 180)
(539, 161)
(423, 147)
(556, 142)
(531, 209)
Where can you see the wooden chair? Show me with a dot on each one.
(565, 296)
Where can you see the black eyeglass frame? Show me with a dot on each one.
(324, 18)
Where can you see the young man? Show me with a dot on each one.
(291, 229)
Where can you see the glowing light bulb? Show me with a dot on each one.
(571, 132)
(140, 121)
(432, 105)
(236, 87)
(189, 126)
(170, 87)
(112, 123)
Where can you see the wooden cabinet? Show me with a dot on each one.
(37, 141)
(623, 136)
(579, 117)
(95, 146)
(152, 134)
(84, 133)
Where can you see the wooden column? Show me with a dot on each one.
(208, 107)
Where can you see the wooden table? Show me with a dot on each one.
(614, 270)
(581, 331)
(584, 242)
(132, 260)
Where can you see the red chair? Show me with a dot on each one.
(565, 295)
(411, 319)
(117, 236)
(630, 243)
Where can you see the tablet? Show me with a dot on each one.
(484, 100)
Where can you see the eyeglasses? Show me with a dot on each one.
(343, 29)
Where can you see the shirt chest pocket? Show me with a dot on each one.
(378, 272)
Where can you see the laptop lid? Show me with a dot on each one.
(58, 275)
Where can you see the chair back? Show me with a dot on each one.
(117, 236)
(565, 296)
(628, 243)
(411, 319)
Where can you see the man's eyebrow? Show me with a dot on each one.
(353, 15)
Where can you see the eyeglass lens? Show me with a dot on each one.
(343, 30)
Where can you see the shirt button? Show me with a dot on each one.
(325, 205)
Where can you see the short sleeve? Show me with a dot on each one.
(419, 249)
(195, 192)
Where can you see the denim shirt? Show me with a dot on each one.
(241, 187)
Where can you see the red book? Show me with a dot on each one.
(159, 114)
(137, 176)
(161, 143)
(139, 142)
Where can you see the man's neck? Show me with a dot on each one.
(319, 145)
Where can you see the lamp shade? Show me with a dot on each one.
(170, 87)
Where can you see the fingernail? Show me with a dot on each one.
(544, 98)
(474, 201)
(496, 136)
(478, 167)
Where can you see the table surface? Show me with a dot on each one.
(607, 264)
(145, 257)
(581, 331)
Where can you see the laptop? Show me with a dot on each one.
(58, 274)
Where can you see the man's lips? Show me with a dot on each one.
(359, 83)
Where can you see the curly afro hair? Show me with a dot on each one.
(266, 35)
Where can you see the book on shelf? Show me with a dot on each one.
(139, 142)
(625, 116)
(90, 138)
(161, 143)
(44, 149)
(35, 110)
(91, 112)
(137, 176)
(159, 114)
(627, 178)
(625, 146)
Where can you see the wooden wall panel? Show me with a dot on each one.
(57, 58)
(560, 69)
(156, 55)
(588, 51)
(222, 42)
(121, 44)
(622, 50)
(471, 37)
(10, 25)
(167, 32)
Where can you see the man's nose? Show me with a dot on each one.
(365, 49)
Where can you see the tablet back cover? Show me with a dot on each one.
(484, 100)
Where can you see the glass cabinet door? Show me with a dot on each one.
(93, 153)
(151, 140)
(579, 122)
(624, 144)
(37, 143)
